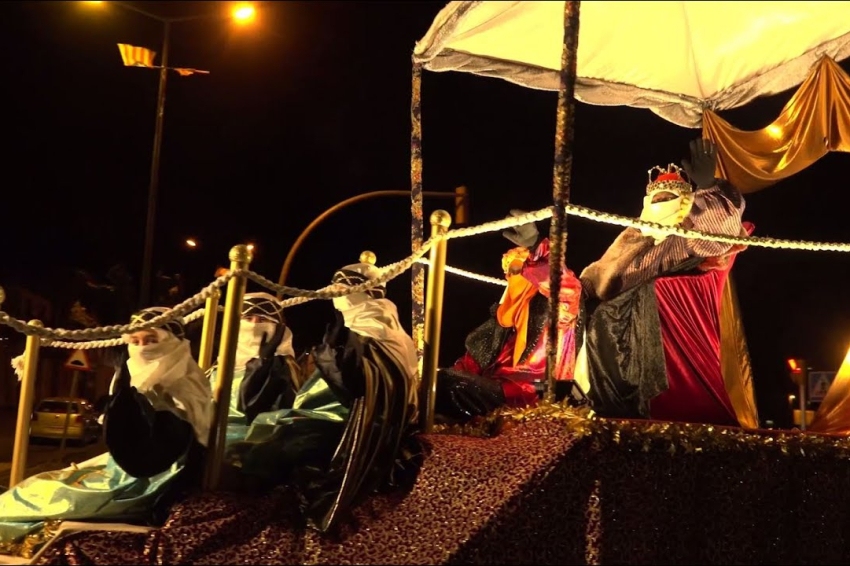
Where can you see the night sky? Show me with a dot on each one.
(311, 105)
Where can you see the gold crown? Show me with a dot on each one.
(670, 180)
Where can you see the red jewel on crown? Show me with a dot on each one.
(670, 180)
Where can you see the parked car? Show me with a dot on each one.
(50, 415)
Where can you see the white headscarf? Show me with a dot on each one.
(377, 318)
(171, 379)
(251, 336)
(267, 307)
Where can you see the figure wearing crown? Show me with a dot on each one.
(505, 360)
(631, 362)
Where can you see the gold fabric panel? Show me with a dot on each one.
(815, 121)
(735, 359)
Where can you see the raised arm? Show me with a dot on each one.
(718, 206)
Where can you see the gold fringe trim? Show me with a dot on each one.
(31, 543)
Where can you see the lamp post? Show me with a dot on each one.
(460, 196)
(242, 13)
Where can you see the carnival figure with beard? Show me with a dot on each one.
(505, 360)
(630, 363)
(349, 429)
(157, 422)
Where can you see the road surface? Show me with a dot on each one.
(43, 456)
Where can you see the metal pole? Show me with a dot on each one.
(240, 258)
(64, 442)
(804, 398)
(150, 223)
(564, 134)
(22, 429)
(440, 222)
(208, 331)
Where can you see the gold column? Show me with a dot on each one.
(240, 258)
(22, 430)
(440, 222)
(208, 331)
(562, 177)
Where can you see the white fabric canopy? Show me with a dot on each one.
(674, 58)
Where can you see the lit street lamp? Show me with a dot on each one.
(191, 243)
(242, 13)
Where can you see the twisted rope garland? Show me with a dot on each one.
(107, 336)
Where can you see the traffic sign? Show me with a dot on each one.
(78, 360)
(819, 382)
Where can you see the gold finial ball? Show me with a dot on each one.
(36, 322)
(2, 295)
(368, 257)
(441, 218)
(241, 253)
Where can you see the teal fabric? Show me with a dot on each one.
(308, 432)
(95, 489)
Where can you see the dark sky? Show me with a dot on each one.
(311, 106)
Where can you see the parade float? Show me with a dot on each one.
(553, 484)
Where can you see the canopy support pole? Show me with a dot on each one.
(564, 135)
(417, 226)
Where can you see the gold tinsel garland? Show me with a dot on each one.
(654, 436)
(502, 419)
(30, 544)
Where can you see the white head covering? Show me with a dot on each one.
(166, 373)
(370, 314)
(669, 212)
(267, 308)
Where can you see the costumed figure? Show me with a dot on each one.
(505, 360)
(157, 422)
(266, 376)
(650, 320)
(350, 429)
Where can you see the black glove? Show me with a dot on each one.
(525, 236)
(462, 395)
(268, 345)
(702, 164)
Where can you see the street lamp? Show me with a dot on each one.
(191, 243)
(242, 14)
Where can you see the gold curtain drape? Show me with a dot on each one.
(735, 359)
(815, 121)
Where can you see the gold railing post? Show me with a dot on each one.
(440, 222)
(22, 430)
(208, 331)
(240, 258)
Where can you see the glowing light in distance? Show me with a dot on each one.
(244, 13)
